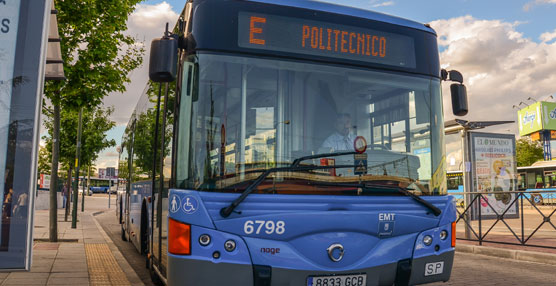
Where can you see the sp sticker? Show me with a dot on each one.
(190, 205)
(175, 203)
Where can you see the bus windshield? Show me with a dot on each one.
(239, 116)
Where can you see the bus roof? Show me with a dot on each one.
(350, 11)
(539, 165)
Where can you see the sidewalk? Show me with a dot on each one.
(83, 256)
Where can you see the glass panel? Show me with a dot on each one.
(248, 115)
(21, 82)
(454, 152)
(162, 221)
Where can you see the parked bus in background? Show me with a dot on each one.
(97, 185)
(541, 176)
(454, 180)
(302, 143)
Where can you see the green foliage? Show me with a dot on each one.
(97, 55)
(95, 125)
(98, 58)
(45, 158)
(528, 152)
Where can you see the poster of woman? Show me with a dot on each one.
(494, 172)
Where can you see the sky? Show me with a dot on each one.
(506, 50)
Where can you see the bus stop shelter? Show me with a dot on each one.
(24, 37)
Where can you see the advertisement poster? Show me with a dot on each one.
(529, 119)
(9, 17)
(494, 171)
(44, 181)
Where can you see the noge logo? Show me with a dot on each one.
(530, 118)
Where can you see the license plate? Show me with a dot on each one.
(434, 268)
(338, 280)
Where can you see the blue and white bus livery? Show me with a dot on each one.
(298, 143)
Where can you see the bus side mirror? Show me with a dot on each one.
(163, 59)
(459, 99)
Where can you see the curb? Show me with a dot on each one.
(521, 255)
(132, 277)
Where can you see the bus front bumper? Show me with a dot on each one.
(421, 270)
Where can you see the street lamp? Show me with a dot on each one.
(532, 99)
(521, 102)
(515, 106)
(549, 97)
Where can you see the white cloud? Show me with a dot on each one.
(530, 5)
(146, 23)
(376, 4)
(500, 66)
(548, 36)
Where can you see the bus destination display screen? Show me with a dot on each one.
(293, 35)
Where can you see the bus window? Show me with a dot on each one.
(254, 114)
(521, 181)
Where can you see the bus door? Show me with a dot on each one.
(162, 180)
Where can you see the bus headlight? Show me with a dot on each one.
(204, 239)
(230, 245)
(443, 235)
(427, 240)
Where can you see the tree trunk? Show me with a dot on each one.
(68, 195)
(53, 211)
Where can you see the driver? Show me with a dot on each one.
(342, 138)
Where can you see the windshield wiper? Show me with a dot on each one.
(226, 211)
(401, 190)
(405, 192)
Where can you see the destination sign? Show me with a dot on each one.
(293, 35)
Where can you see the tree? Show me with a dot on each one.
(528, 152)
(98, 58)
(94, 138)
(44, 160)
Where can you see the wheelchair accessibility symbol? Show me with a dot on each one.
(175, 203)
(190, 205)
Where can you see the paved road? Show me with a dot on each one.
(469, 269)
(473, 269)
(109, 223)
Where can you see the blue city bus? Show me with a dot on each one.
(301, 143)
(454, 181)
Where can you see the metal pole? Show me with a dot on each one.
(466, 180)
(69, 194)
(53, 211)
(77, 159)
(109, 193)
(243, 122)
(86, 188)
